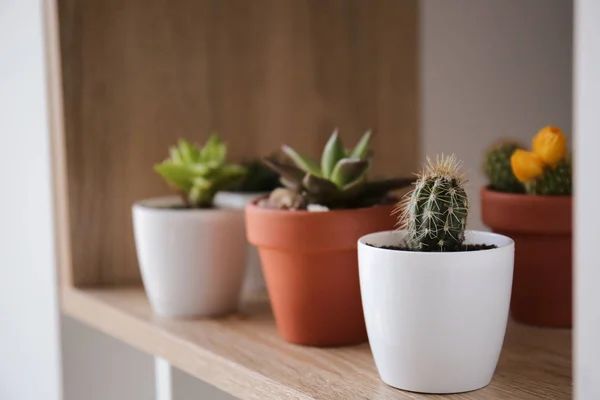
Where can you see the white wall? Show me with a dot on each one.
(587, 217)
(29, 336)
(99, 367)
(491, 69)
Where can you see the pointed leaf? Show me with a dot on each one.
(214, 151)
(175, 155)
(349, 170)
(290, 173)
(179, 175)
(362, 148)
(318, 186)
(332, 153)
(187, 152)
(303, 162)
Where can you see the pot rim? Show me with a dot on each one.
(507, 244)
(487, 191)
(160, 204)
(252, 206)
(237, 193)
(510, 212)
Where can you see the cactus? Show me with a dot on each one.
(497, 167)
(435, 212)
(338, 182)
(553, 181)
(198, 173)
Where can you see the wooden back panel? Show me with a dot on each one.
(139, 74)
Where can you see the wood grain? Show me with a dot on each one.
(139, 74)
(243, 355)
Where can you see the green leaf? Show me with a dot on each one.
(362, 148)
(332, 153)
(175, 155)
(349, 170)
(178, 175)
(214, 151)
(187, 152)
(230, 171)
(303, 162)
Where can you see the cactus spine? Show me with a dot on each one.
(553, 181)
(435, 212)
(497, 167)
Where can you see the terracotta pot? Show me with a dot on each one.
(310, 264)
(541, 228)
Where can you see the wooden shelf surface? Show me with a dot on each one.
(243, 355)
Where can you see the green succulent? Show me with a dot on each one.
(197, 173)
(338, 181)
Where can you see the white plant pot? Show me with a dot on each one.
(254, 281)
(191, 260)
(436, 321)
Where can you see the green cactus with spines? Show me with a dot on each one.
(496, 166)
(435, 212)
(554, 181)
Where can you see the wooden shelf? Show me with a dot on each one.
(243, 355)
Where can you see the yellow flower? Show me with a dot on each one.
(551, 145)
(526, 165)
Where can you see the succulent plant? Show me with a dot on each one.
(197, 173)
(555, 181)
(258, 178)
(435, 212)
(497, 167)
(339, 181)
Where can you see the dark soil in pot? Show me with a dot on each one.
(467, 247)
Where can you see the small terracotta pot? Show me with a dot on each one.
(310, 264)
(541, 228)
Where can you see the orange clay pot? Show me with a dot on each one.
(310, 264)
(541, 229)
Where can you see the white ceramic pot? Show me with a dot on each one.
(191, 260)
(436, 321)
(254, 280)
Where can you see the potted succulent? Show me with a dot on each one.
(306, 233)
(192, 254)
(529, 199)
(258, 181)
(436, 296)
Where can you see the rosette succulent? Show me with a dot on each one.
(197, 173)
(338, 181)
